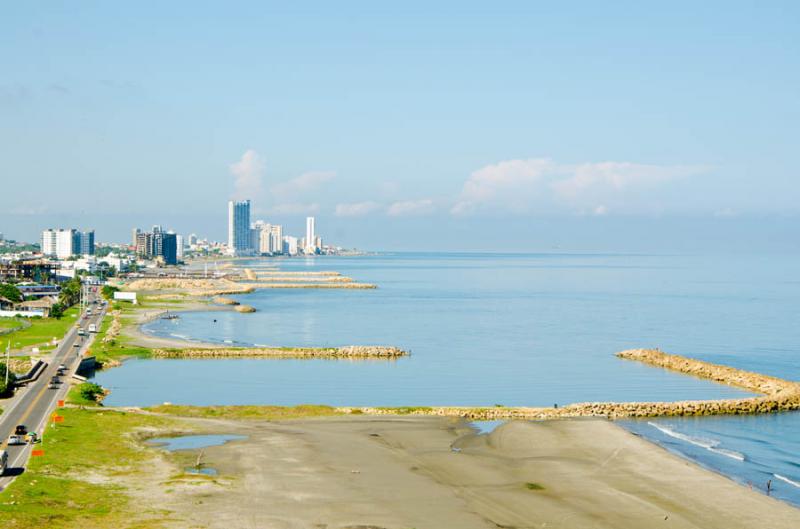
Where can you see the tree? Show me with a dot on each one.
(56, 311)
(70, 292)
(108, 291)
(5, 390)
(10, 292)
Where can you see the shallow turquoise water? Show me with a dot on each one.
(535, 329)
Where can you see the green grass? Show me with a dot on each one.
(42, 330)
(10, 323)
(117, 349)
(85, 394)
(51, 493)
(269, 413)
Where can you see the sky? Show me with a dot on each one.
(494, 126)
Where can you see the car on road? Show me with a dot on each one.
(21, 429)
(16, 440)
(62, 369)
(32, 437)
(81, 332)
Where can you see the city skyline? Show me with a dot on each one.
(580, 119)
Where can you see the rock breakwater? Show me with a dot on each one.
(779, 395)
(351, 351)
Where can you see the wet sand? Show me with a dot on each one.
(429, 472)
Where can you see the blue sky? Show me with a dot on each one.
(459, 120)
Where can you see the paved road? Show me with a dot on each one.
(34, 404)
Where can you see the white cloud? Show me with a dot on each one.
(305, 183)
(411, 207)
(615, 177)
(295, 208)
(540, 184)
(357, 209)
(509, 183)
(248, 174)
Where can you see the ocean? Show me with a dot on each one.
(513, 330)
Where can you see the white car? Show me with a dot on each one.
(16, 440)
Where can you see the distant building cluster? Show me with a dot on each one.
(263, 238)
(158, 245)
(66, 243)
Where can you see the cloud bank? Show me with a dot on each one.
(543, 185)
(248, 174)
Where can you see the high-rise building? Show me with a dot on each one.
(58, 243)
(290, 245)
(158, 244)
(166, 247)
(135, 236)
(179, 246)
(85, 242)
(64, 243)
(276, 239)
(192, 240)
(239, 237)
(310, 236)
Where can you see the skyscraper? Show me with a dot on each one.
(239, 239)
(85, 242)
(310, 236)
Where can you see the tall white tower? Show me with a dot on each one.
(310, 236)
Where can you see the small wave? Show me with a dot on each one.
(787, 480)
(181, 336)
(711, 445)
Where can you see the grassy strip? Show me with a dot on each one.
(267, 413)
(86, 394)
(54, 491)
(42, 330)
(116, 349)
(11, 323)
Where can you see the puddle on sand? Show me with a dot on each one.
(193, 442)
(484, 427)
(205, 471)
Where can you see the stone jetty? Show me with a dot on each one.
(222, 300)
(777, 395)
(351, 351)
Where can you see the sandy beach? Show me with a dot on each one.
(427, 472)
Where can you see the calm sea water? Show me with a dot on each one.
(535, 329)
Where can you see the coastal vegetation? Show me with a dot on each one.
(82, 478)
(86, 394)
(264, 413)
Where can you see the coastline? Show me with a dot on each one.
(360, 470)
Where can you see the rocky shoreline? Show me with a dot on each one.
(779, 395)
(351, 351)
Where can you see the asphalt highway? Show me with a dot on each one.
(34, 404)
